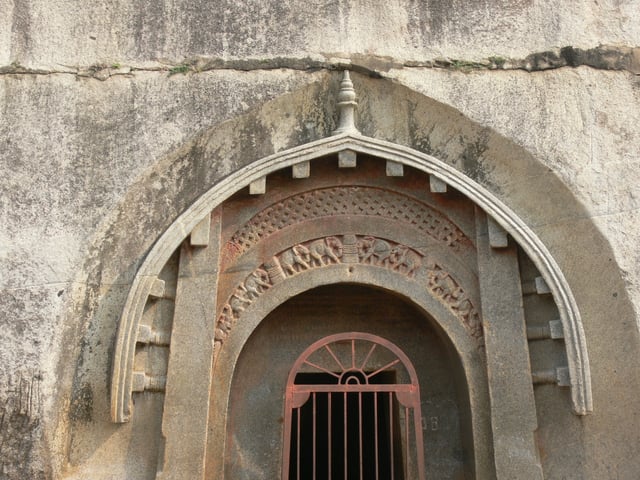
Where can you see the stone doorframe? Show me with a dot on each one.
(466, 346)
(197, 223)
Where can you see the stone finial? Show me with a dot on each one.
(347, 105)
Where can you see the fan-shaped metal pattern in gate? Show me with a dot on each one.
(352, 411)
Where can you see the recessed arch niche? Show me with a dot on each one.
(271, 350)
(357, 210)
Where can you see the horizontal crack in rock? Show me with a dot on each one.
(602, 57)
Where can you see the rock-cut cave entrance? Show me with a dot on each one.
(356, 414)
(289, 348)
(353, 234)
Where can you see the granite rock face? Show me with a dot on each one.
(116, 117)
(59, 36)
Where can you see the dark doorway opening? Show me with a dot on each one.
(258, 429)
(346, 435)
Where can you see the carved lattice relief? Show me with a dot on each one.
(349, 249)
(349, 200)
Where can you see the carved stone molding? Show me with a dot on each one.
(412, 290)
(349, 200)
(347, 249)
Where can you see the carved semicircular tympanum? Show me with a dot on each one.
(346, 200)
(394, 234)
(355, 207)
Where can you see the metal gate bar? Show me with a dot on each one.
(308, 402)
(391, 436)
(346, 447)
(360, 430)
(375, 426)
(329, 435)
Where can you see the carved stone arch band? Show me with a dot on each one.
(121, 382)
(348, 249)
(471, 357)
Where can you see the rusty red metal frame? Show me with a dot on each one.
(352, 379)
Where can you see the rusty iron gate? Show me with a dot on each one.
(348, 417)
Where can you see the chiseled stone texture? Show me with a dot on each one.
(72, 148)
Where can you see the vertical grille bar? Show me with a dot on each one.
(391, 435)
(298, 414)
(360, 430)
(345, 437)
(314, 435)
(375, 430)
(329, 433)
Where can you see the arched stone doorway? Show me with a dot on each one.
(367, 229)
(255, 423)
(357, 211)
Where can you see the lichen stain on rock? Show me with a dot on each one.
(471, 157)
(421, 134)
(602, 57)
(81, 409)
(20, 429)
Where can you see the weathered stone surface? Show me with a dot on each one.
(185, 434)
(116, 117)
(41, 34)
(55, 194)
(508, 367)
(560, 106)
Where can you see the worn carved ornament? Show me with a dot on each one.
(348, 249)
(368, 250)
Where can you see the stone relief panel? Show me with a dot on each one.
(446, 288)
(348, 249)
(345, 200)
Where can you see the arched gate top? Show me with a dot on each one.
(352, 370)
(354, 362)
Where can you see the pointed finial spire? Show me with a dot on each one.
(347, 105)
